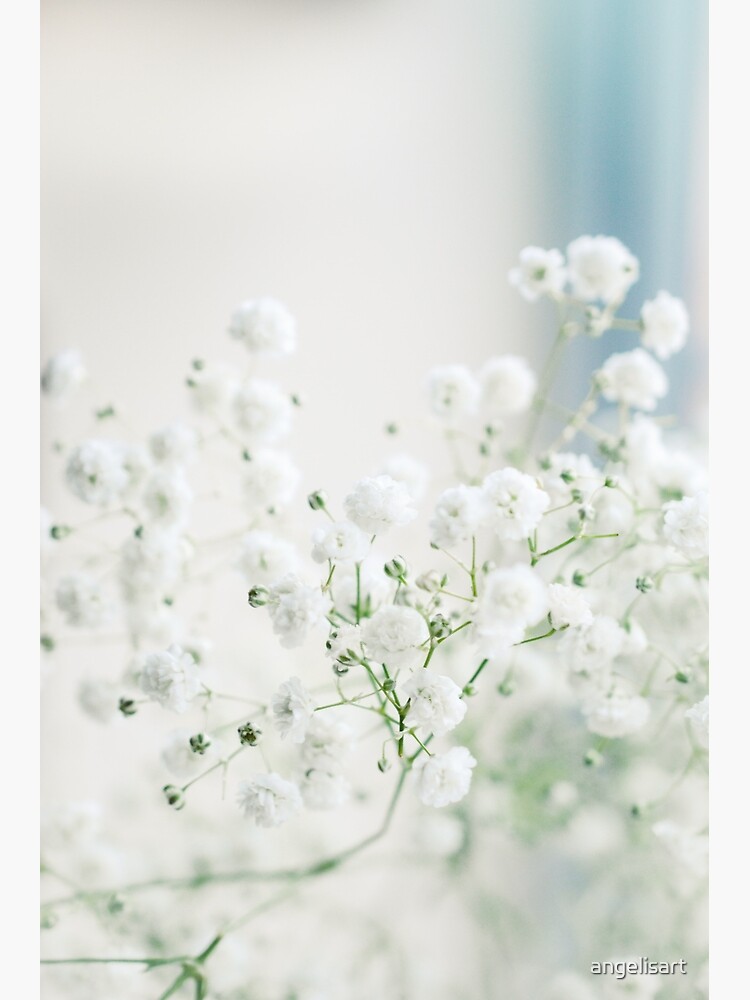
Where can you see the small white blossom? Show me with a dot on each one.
(268, 799)
(435, 705)
(73, 824)
(321, 790)
(568, 606)
(99, 699)
(262, 411)
(173, 445)
(295, 610)
(686, 525)
(293, 709)
(340, 541)
(512, 599)
(82, 602)
(591, 649)
(459, 512)
(179, 758)
(96, 472)
(665, 323)
(150, 564)
(344, 640)
(407, 470)
(265, 326)
(170, 678)
(377, 504)
(265, 558)
(697, 716)
(453, 392)
(444, 778)
(62, 375)
(690, 849)
(394, 636)
(600, 267)
(167, 499)
(515, 503)
(564, 472)
(270, 481)
(539, 272)
(508, 386)
(616, 714)
(633, 379)
(212, 388)
(328, 742)
(374, 586)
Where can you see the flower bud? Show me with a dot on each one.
(127, 706)
(383, 765)
(611, 482)
(257, 597)
(682, 676)
(199, 743)
(389, 684)
(396, 568)
(174, 796)
(340, 669)
(579, 579)
(644, 584)
(440, 627)
(47, 643)
(506, 687)
(249, 734)
(317, 500)
(593, 758)
(59, 531)
(469, 691)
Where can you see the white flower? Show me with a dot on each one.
(339, 541)
(513, 598)
(82, 601)
(179, 758)
(394, 635)
(170, 678)
(344, 640)
(321, 790)
(508, 385)
(328, 741)
(686, 525)
(616, 714)
(697, 716)
(515, 503)
(268, 799)
(539, 272)
(212, 388)
(453, 392)
(265, 326)
(262, 411)
(435, 705)
(270, 482)
(173, 445)
(374, 586)
(62, 374)
(665, 323)
(264, 558)
(459, 512)
(568, 606)
(565, 471)
(407, 470)
(295, 609)
(634, 379)
(690, 849)
(600, 267)
(99, 699)
(444, 778)
(590, 650)
(378, 504)
(75, 823)
(293, 709)
(96, 472)
(150, 564)
(167, 499)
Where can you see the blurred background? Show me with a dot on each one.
(377, 165)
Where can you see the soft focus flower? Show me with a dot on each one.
(212, 388)
(327, 744)
(512, 599)
(173, 445)
(293, 709)
(633, 379)
(568, 606)
(508, 385)
(62, 374)
(262, 412)
(665, 323)
(82, 602)
(686, 525)
(459, 512)
(370, 592)
(321, 790)
(590, 650)
(515, 503)
(407, 470)
(96, 472)
(264, 558)
(453, 392)
(435, 705)
(270, 481)
(697, 716)
(539, 272)
(344, 640)
(98, 698)
(167, 499)
(690, 849)
(616, 714)
(377, 504)
(600, 267)
(564, 472)
(150, 564)
(265, 326)
(394, 636)
(340, 541)
(268, 799)
(296, 609)
(170, 678)
(444, 778)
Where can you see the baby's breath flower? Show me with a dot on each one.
(508, 386)
(268, 799)
(322, 790)
(453, 392)
(616, 714)
(99, 699)
(394, 636)
(444, 778)
(686, 525)
(82, 602)
(296, 609)
(515, 503)
(459, 512)
(435, 703)
(293, 709)
(568, 606)
(170, 678)
(174, 445)
(375, 505)
(665, 323)
(600, 268)
(265, 326)
(96, 472)
(62, 375)
(539, 272)
(634, 379)
(265, 558)
(513, 598)
(262, 412)
(341, 541)
(167, 499)
(697, 716)
(270, 481)
(407, 470)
